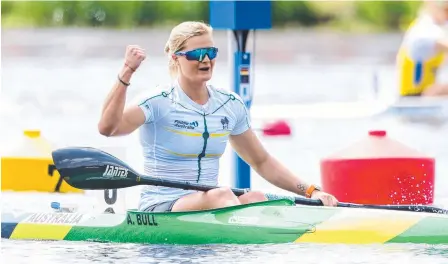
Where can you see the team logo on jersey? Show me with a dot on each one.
(225, 123)
(115, 171)
(185, 124)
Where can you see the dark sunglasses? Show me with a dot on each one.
(199, 54)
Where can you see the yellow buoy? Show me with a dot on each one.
(29, 167)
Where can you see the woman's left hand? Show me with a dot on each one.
(326, 198)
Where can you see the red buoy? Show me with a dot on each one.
(279, 128)
(379, 170)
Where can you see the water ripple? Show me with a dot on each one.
(76, 252)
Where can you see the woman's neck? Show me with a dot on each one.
(196, 91)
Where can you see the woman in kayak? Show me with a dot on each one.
(184, 128)
(422, 52)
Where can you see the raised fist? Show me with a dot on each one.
(134, 56)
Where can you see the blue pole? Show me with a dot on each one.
(241, 17)
(243, 88)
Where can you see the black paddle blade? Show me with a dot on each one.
(93, 169)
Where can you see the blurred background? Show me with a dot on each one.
(349, 16)
(319, 68)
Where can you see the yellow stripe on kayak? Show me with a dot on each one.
(361, 227)
(40, 231)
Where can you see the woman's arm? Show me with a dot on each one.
(250, 149)
(114, 119)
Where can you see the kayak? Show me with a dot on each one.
(275, 221)
(418, 107)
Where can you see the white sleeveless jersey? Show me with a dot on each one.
(183, 140)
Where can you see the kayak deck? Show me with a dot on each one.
(277, 221)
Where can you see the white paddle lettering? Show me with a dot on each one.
(115, 171)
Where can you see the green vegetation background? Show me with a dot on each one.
(350, 16)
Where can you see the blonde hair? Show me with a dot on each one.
(179, 36)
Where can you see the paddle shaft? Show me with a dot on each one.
(147, 180)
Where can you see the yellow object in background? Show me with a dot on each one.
(30, 167)
(416, 76)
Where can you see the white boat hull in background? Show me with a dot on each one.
(410, 107)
